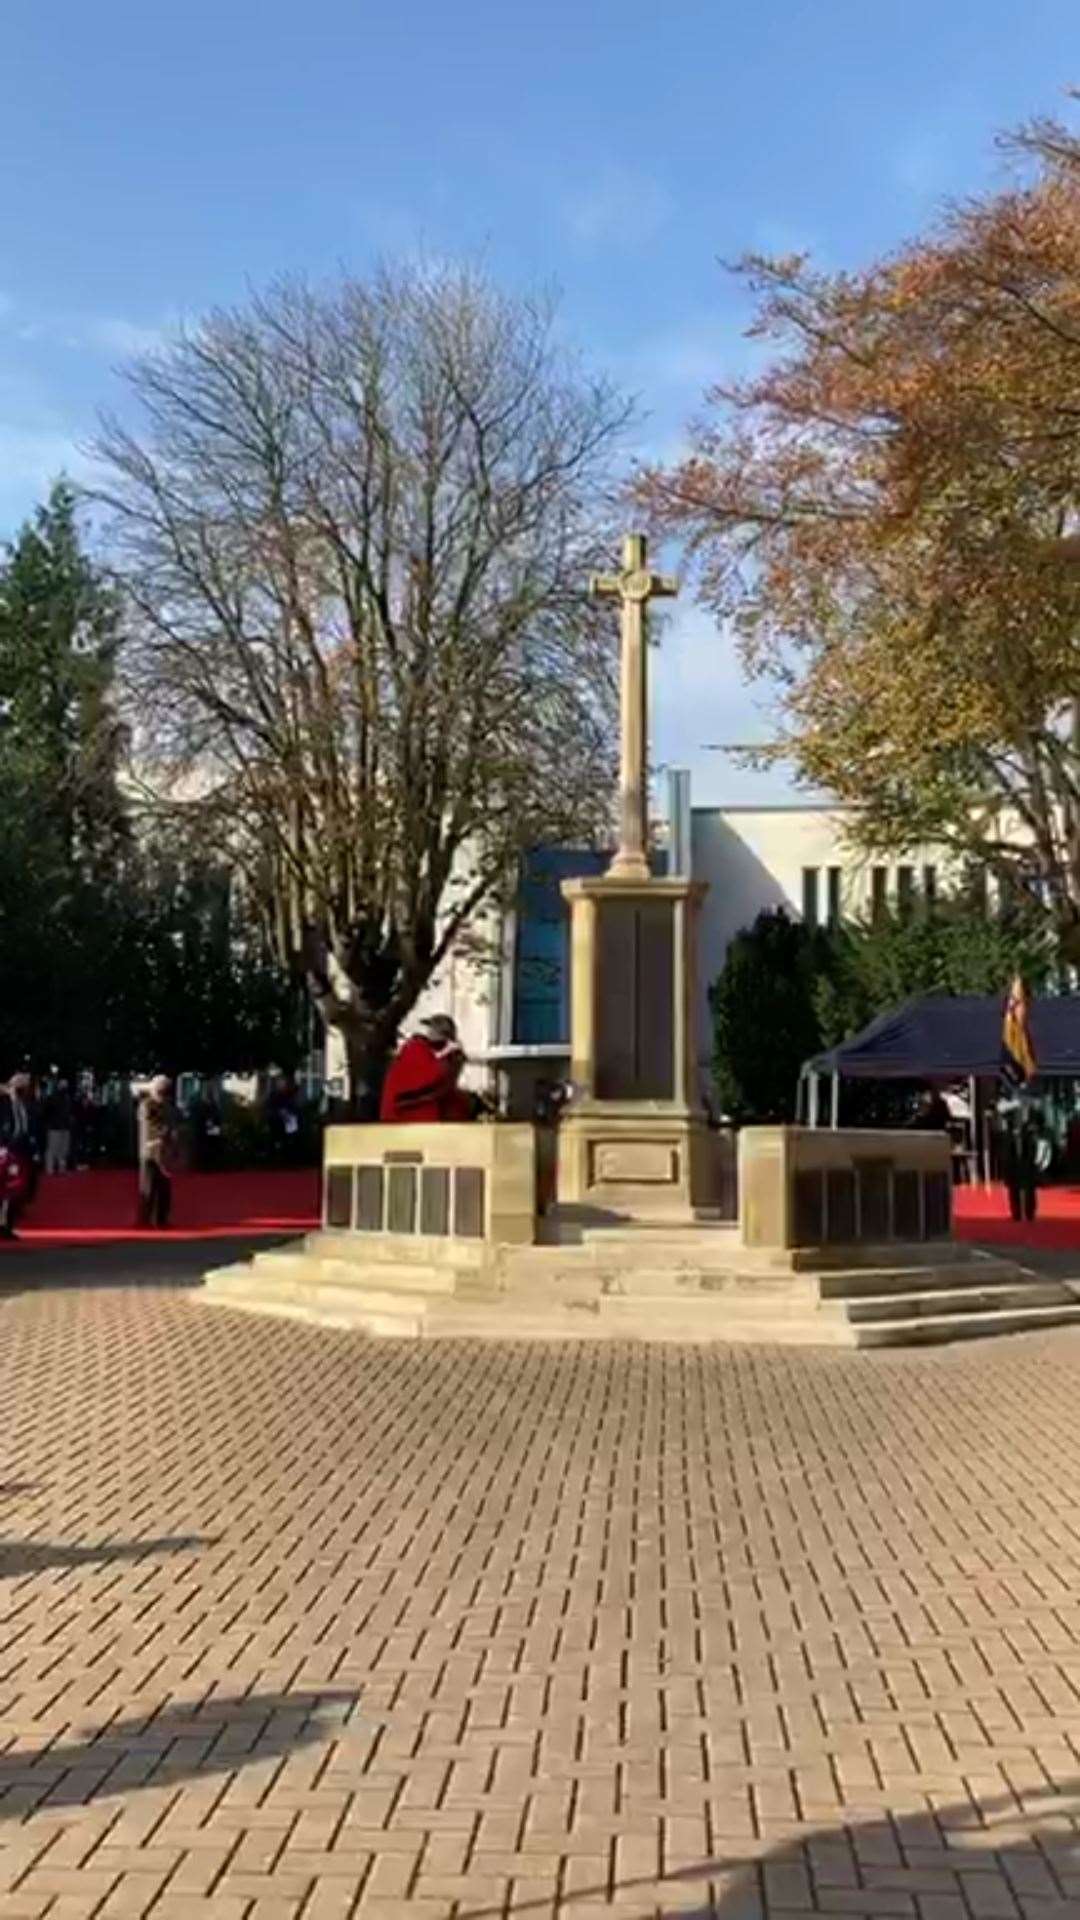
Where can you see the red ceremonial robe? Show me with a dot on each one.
(421, 1084)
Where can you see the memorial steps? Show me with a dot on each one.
(650, 1282)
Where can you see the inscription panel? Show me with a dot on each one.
(635, 1037)
(469, 1202)
(937, 1205)
(644, 1162)
(840, 1215)
(809, 1208)
(369, 1199)
(875, 1199)
(339, 1187)
(435, 1200)
(907, 1204)
(401, 1186)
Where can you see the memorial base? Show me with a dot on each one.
(844, 1241)
(636, 1164)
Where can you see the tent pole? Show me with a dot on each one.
(834, 1119)
(813, 1090)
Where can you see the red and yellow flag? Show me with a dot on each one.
(1018, 1062)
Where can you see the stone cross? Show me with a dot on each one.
(635, 586)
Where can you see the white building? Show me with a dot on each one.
(753, 859)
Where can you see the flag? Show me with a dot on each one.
(1018, 1062)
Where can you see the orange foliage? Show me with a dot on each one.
(881, 513)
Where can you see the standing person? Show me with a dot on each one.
(157, 1125)
(1025, 1155)
(59, 1115)
(283, 1118)
(932, 1113)
(21, 1130)
(14, 1183)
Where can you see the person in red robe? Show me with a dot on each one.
(422, 1079)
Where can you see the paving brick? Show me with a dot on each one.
(292, 1622)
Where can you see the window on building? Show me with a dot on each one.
(879, 891)
(541, 978)
(905, 889)
(834, 896)
(810, 896)
(929, 887)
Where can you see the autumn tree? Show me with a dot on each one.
(880, 515)
(354, 528)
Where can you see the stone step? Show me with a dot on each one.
(853, 1283)
(721, 1291)
(932, 1328)
(630, 1320)
(391, 1249)
(327, 1305)
(284, 1269)
(1020, 1294)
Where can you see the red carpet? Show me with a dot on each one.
(982, 1213)
(88, 1207)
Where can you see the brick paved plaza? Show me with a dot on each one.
(299, 1624)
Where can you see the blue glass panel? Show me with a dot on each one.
(542, 950)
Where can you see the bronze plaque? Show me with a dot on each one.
(809, 1209)
(435, 1200)
(369, 1199)
(635, 1015)
(469, 1202)
(937, 1205)
(840, 1229)
(875, 1199)
(907, 1204)
(339, 1196)
(401, 1184)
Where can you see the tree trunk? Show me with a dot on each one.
(368, 1055)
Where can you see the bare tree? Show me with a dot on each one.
(355, 529)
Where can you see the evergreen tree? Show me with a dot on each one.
(65, 837)
(786, 991)
(764, 1015)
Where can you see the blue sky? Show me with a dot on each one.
(158, 159)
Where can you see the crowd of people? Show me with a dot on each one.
(49, 1128)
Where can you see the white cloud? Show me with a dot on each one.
(125, 337)
(620, 207)
(699, 700)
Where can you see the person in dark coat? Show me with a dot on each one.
(1024, 1156)
(932, 1113)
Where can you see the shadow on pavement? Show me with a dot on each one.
(1012, 1858)
(165, 1263)
(21, 1557)
(216, 1737)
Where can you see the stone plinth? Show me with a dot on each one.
(431, 1182)
(811, 1188)
(633, 1142)
(411, 1249)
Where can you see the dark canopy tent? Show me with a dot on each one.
(944, 1036)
